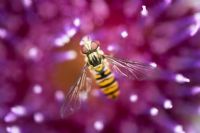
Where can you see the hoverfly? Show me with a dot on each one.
(99, 65)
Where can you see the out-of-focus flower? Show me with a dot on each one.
(40, 59)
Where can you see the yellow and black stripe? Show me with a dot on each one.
(106, 81)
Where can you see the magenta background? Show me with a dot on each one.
(163, 37)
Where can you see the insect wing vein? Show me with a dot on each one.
(72, 100)
(130, 69)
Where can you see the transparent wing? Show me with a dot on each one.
(76, 94)
(130, 69)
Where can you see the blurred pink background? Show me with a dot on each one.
(40, 59)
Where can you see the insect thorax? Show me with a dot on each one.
(94, 59)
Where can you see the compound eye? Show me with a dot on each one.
(84, 50)
(94, 45)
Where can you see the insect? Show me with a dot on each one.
(99, 65)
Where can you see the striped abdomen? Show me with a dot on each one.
(106, 81)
